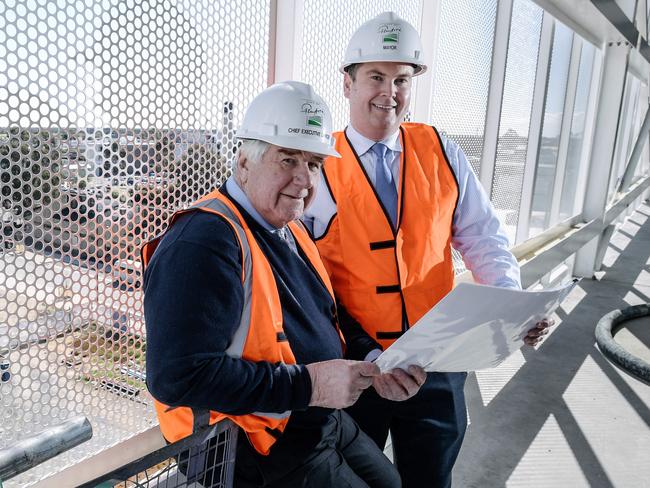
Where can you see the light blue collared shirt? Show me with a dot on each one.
(362, 145)
(238, 195)
(477, 232)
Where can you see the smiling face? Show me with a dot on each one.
(282, 184)
(379, 97)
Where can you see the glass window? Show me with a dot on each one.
(571, 200)
(551, 126)
(642, 166)
(626, 134)
(521, 67)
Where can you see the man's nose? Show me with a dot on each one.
(302, 176)
(389, 88)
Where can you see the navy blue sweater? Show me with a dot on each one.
(193, 301)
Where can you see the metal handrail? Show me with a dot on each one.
(34, 450)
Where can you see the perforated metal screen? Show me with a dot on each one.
(521, 67)
(112, 115)
(462, 73)
(328, 25)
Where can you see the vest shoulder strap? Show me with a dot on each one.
(219, 207)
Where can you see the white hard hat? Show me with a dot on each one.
(290, 115)
(385, 38)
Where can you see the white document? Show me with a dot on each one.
(473, 327)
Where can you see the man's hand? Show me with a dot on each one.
(399, 385)
(339, 383)
(536, 334)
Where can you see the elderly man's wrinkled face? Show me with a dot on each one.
(282, 184)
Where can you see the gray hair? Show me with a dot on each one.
(251, 149)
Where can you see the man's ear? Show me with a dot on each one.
(347, 85)
(242, 169)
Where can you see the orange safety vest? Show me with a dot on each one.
(260, 336)
(387, 279)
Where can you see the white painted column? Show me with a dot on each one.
(285, 46)
(612, 82)
(430, 31)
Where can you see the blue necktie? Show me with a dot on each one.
(384, 181)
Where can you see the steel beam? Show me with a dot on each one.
(619, 19)
(612, 81)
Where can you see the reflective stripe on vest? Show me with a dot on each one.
(236, 347)
(259, 335)
(386, 278)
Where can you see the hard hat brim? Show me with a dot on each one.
(419, 67)
(292, 142)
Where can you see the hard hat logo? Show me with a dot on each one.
(390, 31)
(393, 37)
(390, 41)
(315, 121)
(311, 107)
(314, 113)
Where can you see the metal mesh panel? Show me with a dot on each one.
(545, 170)
(462, 73)
(521, 66)
(571, 199)
(112, 115)
(206, 459)
(328, 25)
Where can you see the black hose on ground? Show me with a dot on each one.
(613, 351)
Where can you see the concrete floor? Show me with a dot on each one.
(562, 415)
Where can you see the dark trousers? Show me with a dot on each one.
(427, 430)
(344, 457)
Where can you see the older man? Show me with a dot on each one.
(241, 319)
(385, 218)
